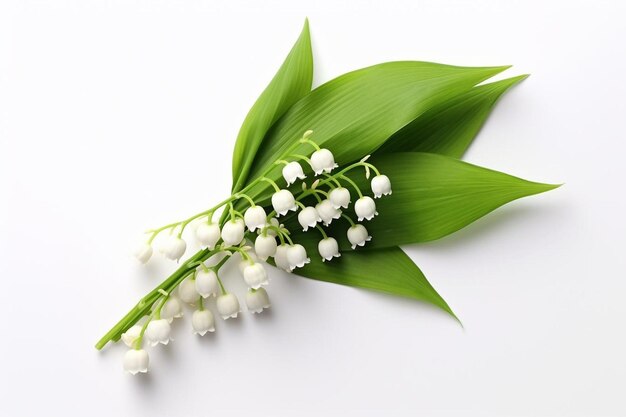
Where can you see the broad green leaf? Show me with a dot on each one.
(292, 82)
(433, 196)
(356, 113)
(450, 127)
(387, 270)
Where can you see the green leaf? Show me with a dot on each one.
(450, 127)
(387, 270)
(292, 82)
(433, 196)
(357, 112)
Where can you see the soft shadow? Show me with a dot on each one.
(210, 338)
(266, 315)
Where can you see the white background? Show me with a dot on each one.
(117, 116)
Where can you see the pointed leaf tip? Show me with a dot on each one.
(292, 82)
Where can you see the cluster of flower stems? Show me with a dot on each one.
(252, 235)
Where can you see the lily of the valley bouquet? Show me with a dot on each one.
(327, 184)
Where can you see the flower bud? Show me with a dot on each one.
(206, 283)
(328, 248)
(381, 186)
(202, 321)
(255, 275)
(233, 232)
(308, 217)
(265, 246)
(130, 336)
(187, 291)
(365, 208)
(158, 331)
(143, 252)
(175, 248)
(172, 309)
(228, 306)
(296, 256)
(293, 171)
(339, 197)
(327, 212)
(255, 218)
(323, 161)
(257, 300)
(136, 361)
(358, 235)
(208, 234)
(283, 201)
(280, 258)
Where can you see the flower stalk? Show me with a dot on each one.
(195, 283)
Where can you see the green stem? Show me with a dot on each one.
(246, 197)
(332, 179)
(372, 167)
(144, 306)
(310, 142)
(356, 187)
(272, 183)
(348, 219)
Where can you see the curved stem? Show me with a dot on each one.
(247, 197)
(372, 167)
(348, 219)
(332, 179)
(356, 187)
(310, 142)
(303, 158)
(272, 183)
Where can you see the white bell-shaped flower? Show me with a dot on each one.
(328, 248)
(265, 246)
(296, 256)
(327, 212)
(206, 283)
(381, 186)
(255, 275)
(143, 252)
(255, 218)
(136, 361)
(339, 197)
(208, 234)
(292, 172)
(172, 309)
(158, 331)
(233, 232)
(228, 306)
(358, 235)
(257, 300)
(283, 201)
(280, 258)
(130, 336)
(365, 208)
(175, 248)
(308, 217)
(187, 291)
(322, 161)
(202, 321)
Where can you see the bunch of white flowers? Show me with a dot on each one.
(255, 236)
